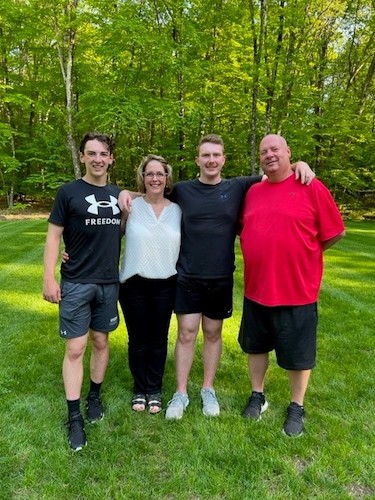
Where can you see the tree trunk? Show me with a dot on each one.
(257, 51)
(10, 197)
(66, 58)
(272, 74)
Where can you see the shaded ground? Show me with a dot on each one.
(24, 215)
(28, 210)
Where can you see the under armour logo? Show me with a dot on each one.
(94, 204)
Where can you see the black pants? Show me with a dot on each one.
(147, 305)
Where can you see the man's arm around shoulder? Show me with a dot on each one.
(125, 199)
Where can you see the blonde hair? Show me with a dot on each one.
(141, 170)
(211, 138)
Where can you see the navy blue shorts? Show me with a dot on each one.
(211, 297)
(87, 305)
(289, 330)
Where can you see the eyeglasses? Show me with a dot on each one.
(151, 175)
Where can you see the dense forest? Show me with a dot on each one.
(157, 74)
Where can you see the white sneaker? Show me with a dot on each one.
(176, 406)
(211, 406)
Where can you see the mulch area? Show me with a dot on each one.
(24, 215)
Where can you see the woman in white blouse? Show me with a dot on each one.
(148, 278)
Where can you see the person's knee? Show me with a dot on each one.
(212, 329)
(99, 341)
(100, 345)
(75, 351)
(187, 336)
(212, 334)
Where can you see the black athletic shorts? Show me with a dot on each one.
(211, 297)
(289, 330)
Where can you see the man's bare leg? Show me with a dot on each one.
(188, 328)
(98, 366)
(72, 371)
(72, 368)
(294, 423)
(212, 348)
(258, 365)
(299, 380)
(99, 356)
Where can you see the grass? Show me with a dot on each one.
(137, 456)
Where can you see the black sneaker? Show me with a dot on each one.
(256, 406)
(94, 408)
(294, 424)
(76, 432)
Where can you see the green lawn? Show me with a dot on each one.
(139, 456)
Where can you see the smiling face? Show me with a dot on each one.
(97, 159)
(210, 161)
(154, 178)
(275, 157)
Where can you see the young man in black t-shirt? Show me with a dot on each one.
(210, 212)
(86, 215)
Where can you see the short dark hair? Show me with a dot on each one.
(103, 138)
(213, 139)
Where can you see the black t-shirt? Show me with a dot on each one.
(210, 215)
(92, 231)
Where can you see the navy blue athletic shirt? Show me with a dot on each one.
(210, 216)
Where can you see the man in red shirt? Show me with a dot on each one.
(286, 226)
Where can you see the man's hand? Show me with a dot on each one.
(303, 172)
(125, 200)
(64, 256)
(51, 291)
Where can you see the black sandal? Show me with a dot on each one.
(139, 402)
(154, 403)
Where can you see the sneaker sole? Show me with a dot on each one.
(292, 435)
(211, 414)
(94, 421)
(173, 418)
(79, 448)
(176, 417)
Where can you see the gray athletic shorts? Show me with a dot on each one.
(289, 330)
(87, 305)
(211, 297)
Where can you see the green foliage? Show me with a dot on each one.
(18, 208)
(9, 164)
(158, 75)
(44, 182)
